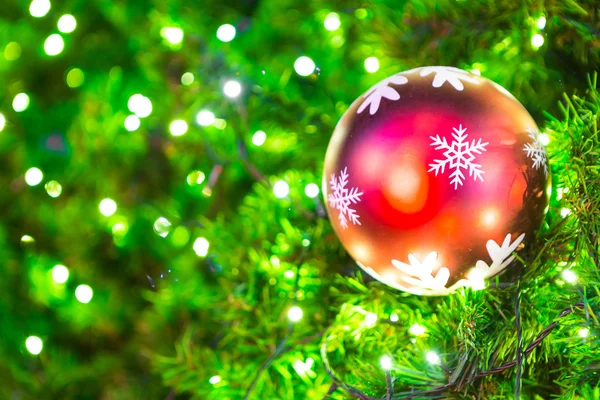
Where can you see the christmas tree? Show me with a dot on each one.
(163, 233)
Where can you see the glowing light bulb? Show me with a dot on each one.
(84, 294)
(108, 207)
(214, 380)
(541, 22)
(417, 330)
(304, 66)
(371, 319)
(289, 274)
(54, 45)
(281, 189)
(475, 71)
(33, 176)
(295, 314)
(67, 23)
(372, 64)
(187, 79)
(27, 239)
(34, 345)
(178, 127)
(205, 118)
(569, 276)
(12, 51)
(232, 89)
(132, 123)
(39, 8)
(584, 332)
(75, 78)
(386, 363)
(2, 122)
(53, 188)
(544, 139)
(332, 22)
(564, 212)
(432, 358)
(394, 318)
(60, 273)
(259, 138)
(20, 102)
(226, 33)
(172, 35)
(162, 227)
(537, 41)
(140, 105)
(195, 178)
(476, 280)
(311, 190)
(201, 246)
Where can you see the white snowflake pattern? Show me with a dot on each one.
(536, 151)
(421, 280)
(453, 76)
(342, 198)
(459, 155)
(381, 90)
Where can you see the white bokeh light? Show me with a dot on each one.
(132, 123)
(54, 45)
(232, 89)
(201, 246)
(226, 33)
(259, 138)
(39, 8)
(60, 273)
(108, 207)
(304, 66)
(371, 319)
(432, 358)
(281, 189)
(372, 64)
(178, 127)
(140, 105)
(205, 118)
(386, 363)
(33, 176)
(84, 294)
(295, 314)
(569, 276)
(20, 102)
(67, 23)
(332, 22)
(34, 345)
(311, 190)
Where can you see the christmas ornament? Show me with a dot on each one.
(433, 178)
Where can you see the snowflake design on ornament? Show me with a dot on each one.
(459, 155)
(536, 151)
(381, 90)
(453, 76)
(342, 198)
(501, 256)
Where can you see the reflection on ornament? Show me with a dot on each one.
(406, 185)
(536, 151)
(341, 198)
(453, 76)
(458, 155)
(489, 218)
(381, 90)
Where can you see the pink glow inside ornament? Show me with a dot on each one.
(433, 178)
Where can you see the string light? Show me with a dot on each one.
(541, 22)
(281, 189)
(195, 178)
(2, 122)
(75, 78)
(332, 22)
(34, 345)
(205, 118)
(140, 105)
(476, 280)
(84, 294)
(53, 188)
(569, 276)
(162, 227)
(232, 89)
(178, 127)
(12, 51)
(187, 79)
(432, 357)
(386, 363)
(394, 318)
(372, 64)
(108, 207)
(304, 66)
(201, 246)
(544, 139)
(54, 45)
(289, 274)
(417, 330)
(60, 273)
(584, 332)
(172, 35)
(33, 176)
(214, 380)
(20, 102)
(226, 33)
(311, 190)
(295, 314)
(67, 23)
(39, 8)
(371, 319)
(27, 239)
(537, 41)
(259, 138)
(132, 123)
(564, 212)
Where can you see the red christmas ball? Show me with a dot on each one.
(433, 178)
